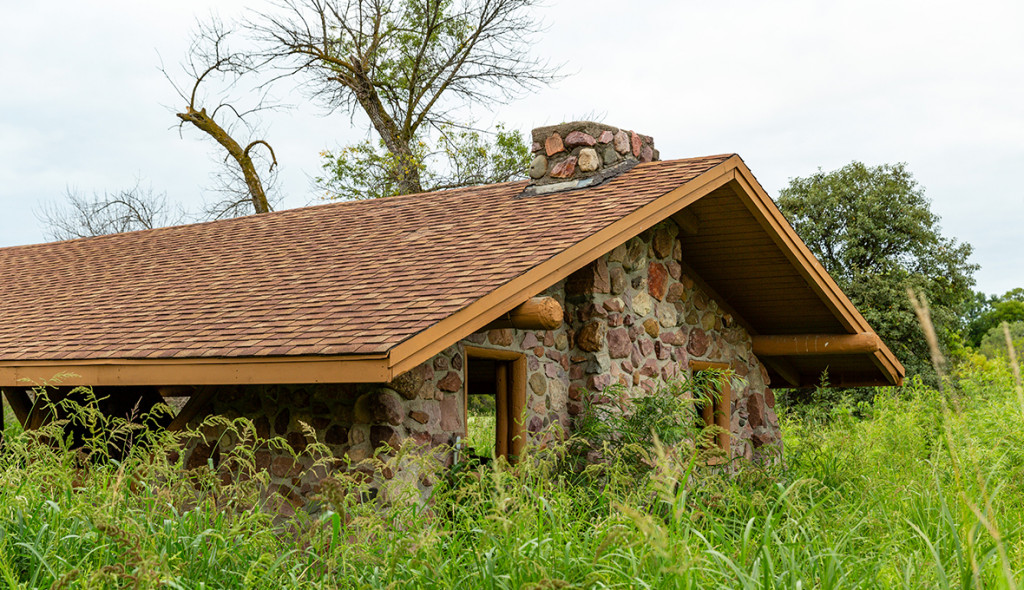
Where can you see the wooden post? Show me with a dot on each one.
(501, 414)
(20, 404)
(517, 429)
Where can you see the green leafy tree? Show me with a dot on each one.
(464, 158)
(986, 314)
(874, 231)
(408, 66)
(993, 343)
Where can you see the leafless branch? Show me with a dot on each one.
(406, 65)
(130, 209)
(209, 58)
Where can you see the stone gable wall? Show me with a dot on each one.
(633, 317)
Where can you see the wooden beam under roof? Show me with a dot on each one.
(536, 313)
(815, 344)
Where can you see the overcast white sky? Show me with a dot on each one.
(789, 85)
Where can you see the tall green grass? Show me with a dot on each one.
(926, 491)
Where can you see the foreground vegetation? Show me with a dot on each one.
(925, 491)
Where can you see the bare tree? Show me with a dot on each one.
(130, 209)
(210, 57)
(406, 64)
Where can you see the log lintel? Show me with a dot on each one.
(537, 313)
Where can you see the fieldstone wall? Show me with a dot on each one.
(632, 317)
(639, 319)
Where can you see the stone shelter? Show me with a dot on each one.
(374, 322)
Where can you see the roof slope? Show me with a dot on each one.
(336, 279)
(364, 291)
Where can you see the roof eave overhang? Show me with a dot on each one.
(197, 371)
(771, 218)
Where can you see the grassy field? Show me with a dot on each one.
(925, 491)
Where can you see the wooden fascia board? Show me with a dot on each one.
(475, 316)
(213, 371)
(763, 208)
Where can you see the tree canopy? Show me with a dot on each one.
(408, 66)
(873, 229)
(988, 313)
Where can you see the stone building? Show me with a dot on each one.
(373, 322)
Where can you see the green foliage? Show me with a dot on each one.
(923, 493)
(993, 345)
(461, 157)
(873, 230)
(987, 313)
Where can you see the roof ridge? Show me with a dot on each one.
(308, 208)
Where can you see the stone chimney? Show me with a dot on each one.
(583, 153)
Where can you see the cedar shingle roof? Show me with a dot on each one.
(342, 278)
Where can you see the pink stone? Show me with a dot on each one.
(621, 142)
(599, 382)
(755, 410)
(674, 269)
(536, 147)
(451, 412)
(553, 144)
(613, 304)
(285, 466)
(657, 280)
(577, 139)
(530, 341)
(647, 154)
(761, 439)
(551, 370)
(650, 368)
(673, 337)
(646, 347)
(565, 168)
(661, 350)
(634, 142)
(452, 382)
(618, 343)
(676, 292)
(502, 337)
(536, 425)
(699, 342)
(605, 137)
